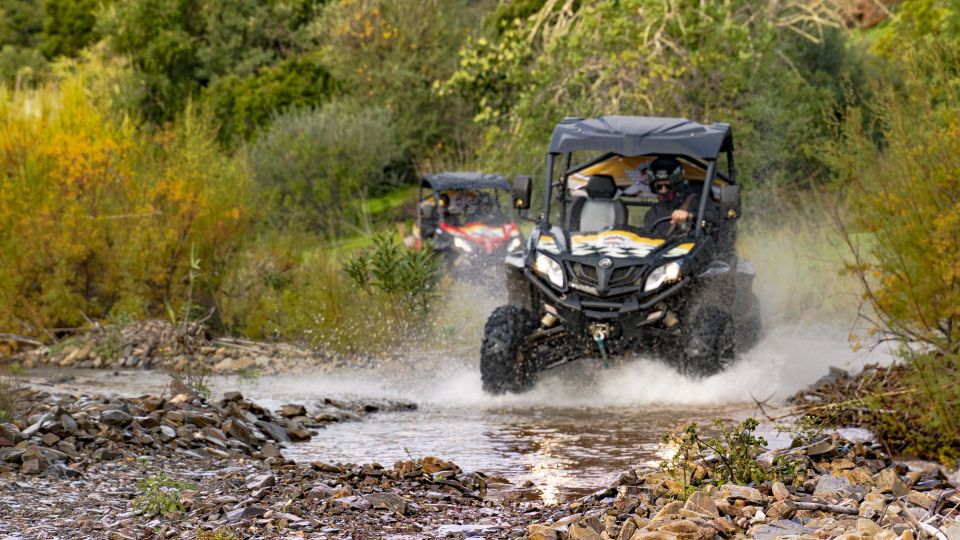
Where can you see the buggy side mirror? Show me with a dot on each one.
(520, 194)
(730, 202)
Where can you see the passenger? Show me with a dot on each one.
(676, 199)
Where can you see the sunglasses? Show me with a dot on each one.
(661, 188)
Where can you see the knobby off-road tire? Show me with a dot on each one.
(503, 367)
(707, 341)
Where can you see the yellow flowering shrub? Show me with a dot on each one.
(97, 217)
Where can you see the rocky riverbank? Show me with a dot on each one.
(846, 491)
(183, 467)
(95, 467)
(158, 344)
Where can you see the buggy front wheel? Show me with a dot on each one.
(503, 365)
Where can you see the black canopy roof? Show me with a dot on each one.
(640, 135)
(466, 180)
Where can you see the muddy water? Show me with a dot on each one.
(576, 431)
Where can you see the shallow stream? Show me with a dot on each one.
(576, 431)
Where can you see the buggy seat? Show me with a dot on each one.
(598, 210)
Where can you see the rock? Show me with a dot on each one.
(780, 491)
(742, 492)
(685, 528)
(321, 491)
(232, 396)
(262, 481)
(115, 417)
(699, 504)
(387, 501)
(828, 486)
(540, 531)
(433, 465)
(867, 526)
(783, 527)
(33, 466)
(888, 481)
(69, 424)
(580, 531)
(920, 499)
(10, 432)
(290, 411)
(952, 531)
(167, 433)
(50, 439)
(243, 431)
(105, 454)
(668, 512)
(780, 510)
(245, 513)
(627, 530)
(274, 431)
(36, 425)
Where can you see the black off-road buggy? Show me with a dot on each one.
(590, 282)
(459, 215)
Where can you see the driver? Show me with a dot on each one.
(676, 199)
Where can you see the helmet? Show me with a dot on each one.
(666, 169)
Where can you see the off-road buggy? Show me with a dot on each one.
(591, 283)
(459, 215)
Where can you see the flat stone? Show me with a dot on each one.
(274, 431)
(105, 454)
(167, 433)
(580, 531)
(248, 512)
(115, 417)
(292, 410)
(668, 512)
(780, 491)
(387, 501)
(828, 486)
(10, 431)
(262, 481)
(69, 424)
(743, 492)
(888, 481)
(783, 527)
(700, 504)
(35, 426)
(780, 510)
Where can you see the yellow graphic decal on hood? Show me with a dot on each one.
(677, 251)
(616, 244)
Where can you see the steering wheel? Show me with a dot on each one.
(681, 228)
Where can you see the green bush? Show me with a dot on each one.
(388, 54)
(245, 103)
(896, 160)
(729, 458)
(771, 70)
(406, 278)
(317, 166)
(160, 494)
(290, 287)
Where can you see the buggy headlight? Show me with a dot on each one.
(668, 273)
(462, 245)
(514, 244)
(548, 267)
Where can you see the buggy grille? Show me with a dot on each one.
(622, 277)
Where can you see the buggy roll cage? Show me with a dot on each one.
(640, 136)
(457, 180)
